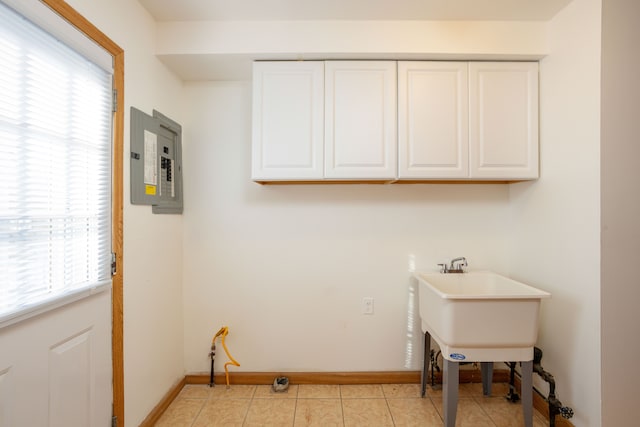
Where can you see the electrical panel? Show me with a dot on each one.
(156, 162)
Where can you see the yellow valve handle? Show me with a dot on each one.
(223, 332)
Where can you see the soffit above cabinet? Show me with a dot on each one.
(225, 50)
(218, 40)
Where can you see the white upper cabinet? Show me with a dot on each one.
(388, 120)
(288, 120)
(360, 120)
(433, 117)
(503, 129)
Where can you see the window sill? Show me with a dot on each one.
(51, 304)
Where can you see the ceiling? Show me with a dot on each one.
(276, 10)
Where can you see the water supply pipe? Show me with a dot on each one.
(555, 406)
(223, 332)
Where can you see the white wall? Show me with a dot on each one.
(286, 267)
(620, 210)
(555, 221)
(153, 328)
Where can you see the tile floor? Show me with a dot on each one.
(339, 405)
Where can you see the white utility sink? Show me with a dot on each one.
(480, 316)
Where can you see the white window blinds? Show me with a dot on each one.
(55, 170)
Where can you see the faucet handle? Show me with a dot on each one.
(443, 268)
(458, 262)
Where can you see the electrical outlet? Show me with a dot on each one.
(367, 305)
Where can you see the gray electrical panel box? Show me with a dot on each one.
(156, 162)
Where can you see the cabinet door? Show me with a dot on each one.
(360, 120)
(287, 120)
(433, 117)
(503, 110)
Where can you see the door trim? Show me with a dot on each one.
(86, 27)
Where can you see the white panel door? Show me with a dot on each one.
(56, 356)
(287, 120)
(360, 120)
(503, 111)
(55, 368)
(433, 116)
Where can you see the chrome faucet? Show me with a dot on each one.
(455, 266)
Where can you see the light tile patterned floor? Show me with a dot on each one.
(376, 405)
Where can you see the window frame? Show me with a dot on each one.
(41, 40)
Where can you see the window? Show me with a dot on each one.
(55, 170)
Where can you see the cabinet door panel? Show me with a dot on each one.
(287, 120)
(503, 112)
(360, 119)
(432, 120)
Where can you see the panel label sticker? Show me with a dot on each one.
(150, 159)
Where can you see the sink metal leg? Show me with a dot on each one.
(486, 373)
(450, 378)
(527, 392)
(425, 364)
